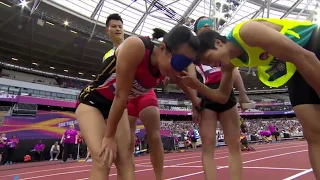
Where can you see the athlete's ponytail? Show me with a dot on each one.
(158, 33)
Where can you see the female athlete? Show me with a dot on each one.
(135, 68)
(145, 106)
(257, 42)
(226, 113)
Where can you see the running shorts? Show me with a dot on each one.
(136, 105)
(95, 99)
(215, 106)
(300, 92)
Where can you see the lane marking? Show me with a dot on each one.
(224, 151)
(245, 162)
(299, 174)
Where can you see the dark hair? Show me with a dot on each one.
(196, 23)
(115, 16)
(207, 39)
(177, 36)
(158, 33)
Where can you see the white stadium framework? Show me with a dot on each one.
(141, 16)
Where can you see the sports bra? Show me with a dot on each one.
(144, 81)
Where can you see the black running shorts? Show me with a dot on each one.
(215, 106)
(95, 99)
(300, 92)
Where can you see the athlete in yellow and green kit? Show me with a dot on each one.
(284, 51)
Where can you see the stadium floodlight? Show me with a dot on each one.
(15, 59)
(66, 23)
(52, 67)
(23, 3)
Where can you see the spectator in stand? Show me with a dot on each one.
(137, 146)
(12, 144)
(88, 154)
(193, 139)
(55, 149)
(37, 151)
(176, 143)
(69, 140)
(3, 143)
(273, 131)
(80, 145)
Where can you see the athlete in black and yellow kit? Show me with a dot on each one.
(135, 68)
(283, 51)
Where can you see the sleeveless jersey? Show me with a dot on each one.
(144, 80)
(208, 75)
(271, 71)
(108, 54)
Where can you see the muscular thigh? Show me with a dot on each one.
(207, 126)
(92, 126)
(123, 135)
(230, 123)
(149, 113)
(308, 115)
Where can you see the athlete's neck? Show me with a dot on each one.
(234, 50)
(154, 55)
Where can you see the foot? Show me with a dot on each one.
(51, 159)
(56, 159)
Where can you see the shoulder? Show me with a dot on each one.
(133, 42)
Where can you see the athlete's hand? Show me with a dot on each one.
(108, 151)
(244, 99)
(189, 80)
(227, 67)
(166, 81)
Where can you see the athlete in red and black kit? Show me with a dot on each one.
(136, 67)
(145, 107)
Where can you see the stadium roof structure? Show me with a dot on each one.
(85, 19)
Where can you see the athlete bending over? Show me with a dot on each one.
(296, 46)
(226, 113)
(136, 67)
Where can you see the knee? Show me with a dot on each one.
(233, 145)
(208, 144)
(97, 161)
(154, 137)
(312, 135)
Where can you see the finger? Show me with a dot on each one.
(115, 155)
(184, 73)
(110, 160)
(105, 157)
(101, 151)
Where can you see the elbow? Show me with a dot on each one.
(303, 57)
(223, 99)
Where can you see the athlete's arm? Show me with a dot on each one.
(220, 95)
(129, 56)
(238, 82)
(257, 34)
(190, 93)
